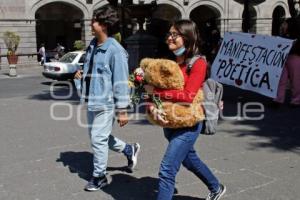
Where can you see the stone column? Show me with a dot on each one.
(86, 31)
(264, 26)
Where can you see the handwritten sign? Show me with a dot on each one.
(251, 62)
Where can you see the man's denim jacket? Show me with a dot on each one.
(109, 81)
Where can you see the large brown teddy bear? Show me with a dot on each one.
(166, 74)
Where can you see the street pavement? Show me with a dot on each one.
(45, 151)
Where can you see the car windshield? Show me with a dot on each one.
(68, 58)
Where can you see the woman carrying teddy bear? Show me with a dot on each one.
(183, 41)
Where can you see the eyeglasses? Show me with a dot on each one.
(174, 35)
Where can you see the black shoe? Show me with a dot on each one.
(132, 160)
(96, 183)
(175, 191)
(217, 195)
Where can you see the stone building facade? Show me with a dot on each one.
(64, 21)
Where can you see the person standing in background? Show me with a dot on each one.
(42, 54)
(291, 70)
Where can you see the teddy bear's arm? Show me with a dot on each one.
(194, 82)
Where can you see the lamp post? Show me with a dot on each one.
(140, 44)
(246, 17)
(246, 25)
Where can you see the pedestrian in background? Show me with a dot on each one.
(183, 41)
(212, 40)
(60, 51)
(105, 91)
(42, 54)
(291, 71)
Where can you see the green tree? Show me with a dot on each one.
(79, 45)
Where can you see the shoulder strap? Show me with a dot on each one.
(190, 62)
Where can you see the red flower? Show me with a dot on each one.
(139, 78)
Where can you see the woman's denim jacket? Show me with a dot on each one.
(109, 80)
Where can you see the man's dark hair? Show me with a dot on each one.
(107, 16)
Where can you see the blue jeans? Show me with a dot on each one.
(100, 126)
(181, 150)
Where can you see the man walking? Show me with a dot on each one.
(105, 91)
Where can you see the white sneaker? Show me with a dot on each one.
(217, 195)
(132, 160)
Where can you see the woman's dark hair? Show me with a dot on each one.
(107, 16)
(296, 48)
(293, 32)
(189, 31)
(293, 28)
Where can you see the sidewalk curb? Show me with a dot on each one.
(19, 76)
(33, 71)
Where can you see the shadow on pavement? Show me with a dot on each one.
(279, 125)
(82, 164)
(78, 162)
(58, 91)
(122, 186)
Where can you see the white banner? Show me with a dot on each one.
(251, 62)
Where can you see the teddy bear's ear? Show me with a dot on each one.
(145, 62)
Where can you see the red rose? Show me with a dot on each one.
(139, 79)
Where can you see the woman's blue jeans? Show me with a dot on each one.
(180, 150)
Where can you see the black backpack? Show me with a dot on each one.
(213, 93)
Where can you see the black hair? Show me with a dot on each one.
(108, 16)
(293, 32)
(293, 28)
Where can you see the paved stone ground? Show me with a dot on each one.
(22, 72)
(46, 159)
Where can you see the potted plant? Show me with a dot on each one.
(79, 45)
(11, 40)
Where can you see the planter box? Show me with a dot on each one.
(12, 59)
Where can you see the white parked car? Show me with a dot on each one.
(65, 67)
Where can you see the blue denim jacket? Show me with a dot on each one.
(109, 80)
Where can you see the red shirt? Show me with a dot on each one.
(193, 82)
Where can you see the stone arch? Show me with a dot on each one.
(278, 17)
(99, 5)
(161, 21)
(283, 5)
(208, 20)
(77, 3)
(217, 14)
(211, 4)
(174, 4)
(54, 25)
(167, 12)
